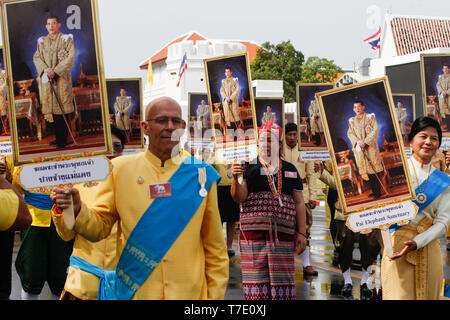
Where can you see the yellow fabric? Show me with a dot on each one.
(196, 266)
(223, 170)
(8, 209)
(103, 253)
(150, 72)
(417, 275)
(41, 218)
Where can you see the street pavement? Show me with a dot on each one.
(326, 286)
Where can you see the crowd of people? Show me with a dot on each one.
(154, 228)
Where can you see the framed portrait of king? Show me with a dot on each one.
(269, 108)
(199, 116)
(125, 109)
(57, 92)
(404, 106)
(364, 140)
(310, 127)
(230, 96)
(435, 73)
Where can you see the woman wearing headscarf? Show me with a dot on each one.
(415, 270)
(272, 220)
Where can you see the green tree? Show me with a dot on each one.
(279, 62)
(319, 70)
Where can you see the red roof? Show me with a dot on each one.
(416, 34)
(161, 55)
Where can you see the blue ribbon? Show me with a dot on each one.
(39, 200)
(154, 234)
(438, 181)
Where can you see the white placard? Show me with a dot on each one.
(237, 153)
(315, 155)
(42, 177)
(5, 148)
(201, 144)
(382, 217)
(126, 152)
(408, 153)
(445, 145)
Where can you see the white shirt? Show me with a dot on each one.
(438, 210)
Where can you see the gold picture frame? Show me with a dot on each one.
(245, 147)
(408, 98)
(394, 180)
(23, 26)
(130, 86)
(193, 99)
(430, 98)
(304, 118)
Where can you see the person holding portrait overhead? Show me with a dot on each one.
(415, 270)
(401, 117)
(122, 108)
(268, 115)
(54, 58)
(230, 96)
(363, 133)
(443, 87)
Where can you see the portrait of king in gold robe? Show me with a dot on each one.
(53, 59)
(363, 134)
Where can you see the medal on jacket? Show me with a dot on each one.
(421, 198)
(202, 181)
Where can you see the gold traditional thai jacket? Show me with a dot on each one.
(196, 266)
(443, 85)
(314, 116)
(401, 117)
(56, 52)
(230, 90)
(3, 101)
(123, 104)
(365, 128)
(103, 253)
(268, 116)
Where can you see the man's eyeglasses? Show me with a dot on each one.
(163, 121)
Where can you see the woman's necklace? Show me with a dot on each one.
(421, 197)
(276, 191)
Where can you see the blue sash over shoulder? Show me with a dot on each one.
(154, 234)
(438, 181)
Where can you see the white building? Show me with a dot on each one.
(166, 63)
(403, 39)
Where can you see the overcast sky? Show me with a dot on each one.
(133, 30)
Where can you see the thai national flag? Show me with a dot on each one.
(183, 67)
(374, 40)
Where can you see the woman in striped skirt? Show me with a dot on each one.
(272, 220)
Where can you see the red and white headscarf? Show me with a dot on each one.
(272, 127)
